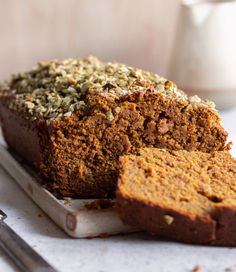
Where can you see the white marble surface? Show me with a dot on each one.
(134, 253)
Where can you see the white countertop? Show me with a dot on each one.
(134, 252)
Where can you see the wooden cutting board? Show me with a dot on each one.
(79, 218)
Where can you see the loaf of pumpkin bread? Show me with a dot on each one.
(72, 119)
(180, 195)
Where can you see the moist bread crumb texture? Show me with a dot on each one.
(74, 118)
(186, 196)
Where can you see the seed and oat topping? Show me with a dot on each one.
(56, 89)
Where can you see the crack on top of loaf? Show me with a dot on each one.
(56, 89)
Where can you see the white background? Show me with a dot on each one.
(136, 32)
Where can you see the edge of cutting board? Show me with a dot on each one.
(71, 215)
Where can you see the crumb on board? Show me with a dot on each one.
(197, 268)
(104, 235)
(67, 201)
(100, 204)
(40, 215)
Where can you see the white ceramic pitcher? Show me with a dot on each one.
(203, 60)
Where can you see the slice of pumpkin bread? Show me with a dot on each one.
(186, 196)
